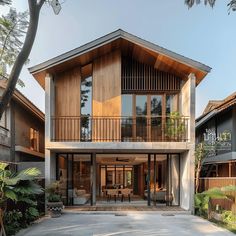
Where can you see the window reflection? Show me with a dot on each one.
(156, 119)
(86, 108)
(141, 105)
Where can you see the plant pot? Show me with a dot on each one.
(55, 208)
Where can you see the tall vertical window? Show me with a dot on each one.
(86, 108)
(171, 103)
(86, 96)
(141, 119)
(127, 120)
(156, 119)
(34, 139)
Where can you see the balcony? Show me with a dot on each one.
(119, 129)
(5, 137)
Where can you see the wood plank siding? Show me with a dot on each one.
(107, 96)
(67, 104)
(141, 78)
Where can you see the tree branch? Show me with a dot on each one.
(34, 10)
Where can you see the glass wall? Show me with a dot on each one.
(141, 117)
(127, 120)
(116, 176)
(73, 173)
(144, 116)
(156, 117)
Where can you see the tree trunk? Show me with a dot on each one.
(198, 170)
(34, 9)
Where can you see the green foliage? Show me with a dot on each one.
(229, 217)
(18, 188)
(175, 126)
(201, 204)
(200, 153)
(12, 221)
(54, 198)
(202, 199)
(231, 3)
(54, 192)
(13, 27)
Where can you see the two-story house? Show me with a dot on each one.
(22, 132)
(219, 117)
(120, 118)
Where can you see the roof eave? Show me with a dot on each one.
(109, 38)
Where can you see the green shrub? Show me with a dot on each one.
(54, 198)
(229, 217)
(12, 221)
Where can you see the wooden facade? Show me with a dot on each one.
(112, 75)
(137, 77)
(107, 95)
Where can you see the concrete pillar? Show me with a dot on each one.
(49, 107)
(50, 167)
(93, 179)
(187, 105)
(148, 181)
(50, 160)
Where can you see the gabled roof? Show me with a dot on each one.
(118, 39)
(215, 107)
(25, 102)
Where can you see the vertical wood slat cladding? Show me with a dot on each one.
(139, 77)
(67, 104)
(107, 95)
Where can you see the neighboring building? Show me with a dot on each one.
(108, 125)
(219, 117)
(22, 132)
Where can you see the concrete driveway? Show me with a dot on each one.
(124, 224)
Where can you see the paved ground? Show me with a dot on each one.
(124, 224)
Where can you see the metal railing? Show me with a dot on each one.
(120, 129)
(5, 137)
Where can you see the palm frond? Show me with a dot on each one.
(28, 188)
(3, 165)
(27, 174)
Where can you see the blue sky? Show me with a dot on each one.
(201, 33)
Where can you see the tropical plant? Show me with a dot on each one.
(175, 126)
(54, 203)
(17, 187)
(53, 191)
(202, 200)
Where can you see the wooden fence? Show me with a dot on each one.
(207, 183)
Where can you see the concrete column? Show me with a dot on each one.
(148, 181)
(50, 167)
(93, 179)
(187, 105)
(49, 107)
(187, 179)
(50, 160)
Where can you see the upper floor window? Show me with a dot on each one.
(34, 139)
(86, 96)
(3, 120)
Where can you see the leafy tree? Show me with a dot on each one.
(200, 154)
(13, 28)
(190, 3)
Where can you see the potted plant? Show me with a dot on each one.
(175, 127)
(54, 203)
